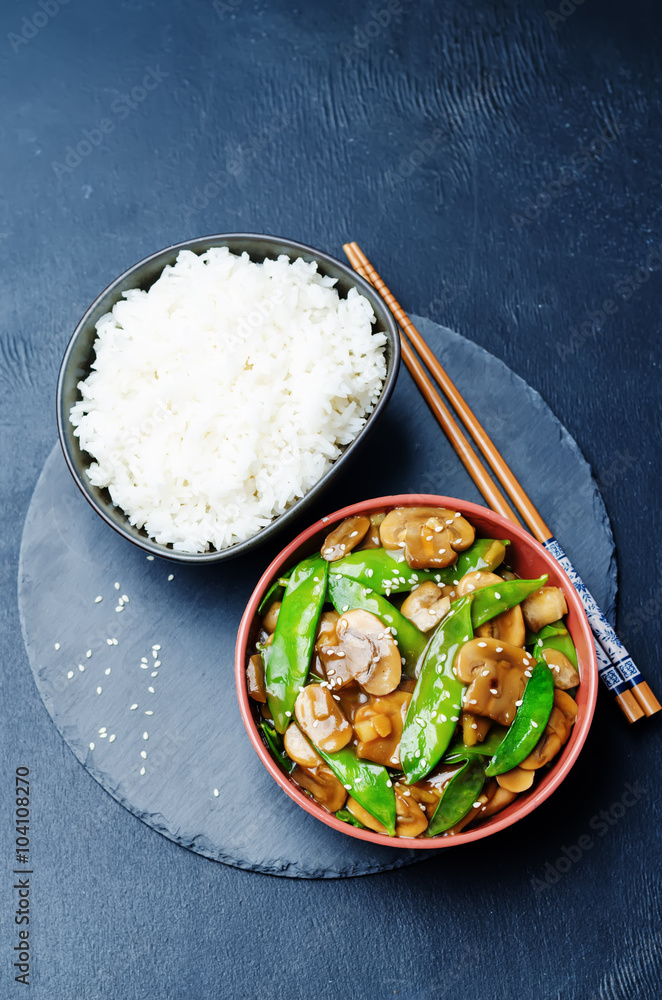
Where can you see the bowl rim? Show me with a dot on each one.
(202, 244)
(529, 802)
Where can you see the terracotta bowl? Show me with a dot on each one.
(528, 559)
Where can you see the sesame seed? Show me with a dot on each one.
(474, 725)
(56, 645)
(337, 697)
(103, 736)
(315, 723)
(91, 746)
(154, 673)
(149, 558)
(156, 646)
(98, 600)
(81, 668)
(157, 663)
(477, 805)
(171, 576)
(89, 653)
(527, 673)
(155, 654)
(216, 793)
(482, 645)
(70, 674)
(499, 649)
(151, 690)
(534, 723)
(103, 729)
(143, 754)
(289, 715)
(442, 718)
(424, 762)
(497, 596)
(526, 662)
(112, 738)
(109, 642)
(149, 712)
(120, 607)
(348, 787)
(353, 534)
(143, 659)
(389, 783)
(454, 718)
(99, 690)
(125, 599)
(107, 671)
(142, 769)
(518, 703)
(145, 735)
(116, 585)
(144, 666)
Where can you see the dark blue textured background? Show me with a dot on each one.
(427, 140)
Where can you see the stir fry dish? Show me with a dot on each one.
(407, 680)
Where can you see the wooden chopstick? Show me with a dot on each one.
(622, 678)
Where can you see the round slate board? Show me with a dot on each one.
(124, 706)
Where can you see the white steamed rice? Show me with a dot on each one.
(221, 395)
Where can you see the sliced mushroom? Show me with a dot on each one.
(255, 679)
(363, 816)
(557, 731)
(509, 625)
(345, 537)
(425, 606)
(430, 536)
(543, 607)
(321, 719)
(378, 726)
(517, 780)
(494, 671)
(564, 674)
(322, 785)
(499, 799)
(372, 539)
(410, 819)
(271, 617)
(371, 653)
(299, 749)
(474, 728)
(331, 658)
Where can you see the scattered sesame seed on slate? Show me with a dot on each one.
(149, 712)
(154, 673)
(89, 653)
(99, 690)
(133, 707)
(70, 674)
(112, 738)
(142, 769)
(145, 735)
(98, 600)
(91, 746)
(117, 586)
(107, 671)
(143, 754)
(151, 690)
(216, 793)
(81, 667)
(56, 645)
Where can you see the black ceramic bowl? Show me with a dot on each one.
(77, 361)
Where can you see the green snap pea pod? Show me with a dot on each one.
(491, 601)
(346, 816)
(529, 722)
(366, 782)
(460, 751)
(458, 797)
(382, 572)
(346, 594)
(275, 744)
(274, 593)
(435, 705)
(554, 636)
(484, 554)
(288, 657)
